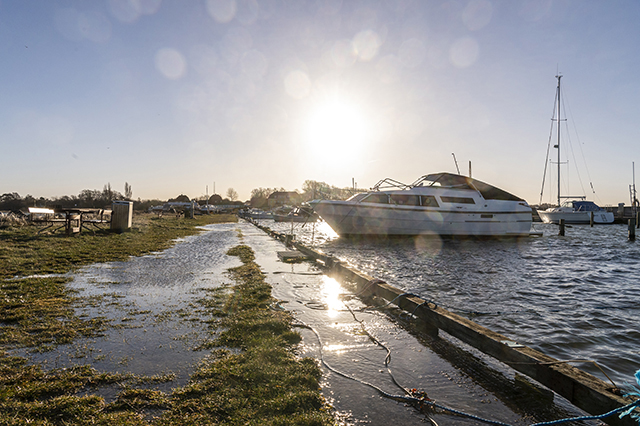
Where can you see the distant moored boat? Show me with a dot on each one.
(576, 209)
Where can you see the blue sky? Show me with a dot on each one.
(172, 96)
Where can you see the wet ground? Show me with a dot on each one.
(152, 300)
(462, 379)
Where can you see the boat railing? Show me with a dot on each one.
(431, 182)
(388, 183)
(419, 182)
(573, 197)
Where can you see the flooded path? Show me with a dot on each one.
(462, 379)
(152, 300)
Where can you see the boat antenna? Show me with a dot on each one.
(455, 161)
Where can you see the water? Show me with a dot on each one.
(575, 297)
(518, 288)
(151, 301)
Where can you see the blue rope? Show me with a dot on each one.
(601, 416)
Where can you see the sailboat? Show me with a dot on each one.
(574, 209)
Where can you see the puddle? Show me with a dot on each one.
(151, 300)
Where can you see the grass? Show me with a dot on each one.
(24, 252)
(38, 312)
(252, 377)
(257, 380)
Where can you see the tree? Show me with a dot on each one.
(11, 201)
(232, 194)
(107, 192)
(215, 199)
(128, 192)
(180, 199)
(90, 198)
(313, 189)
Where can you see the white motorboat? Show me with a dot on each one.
(256, 214)
(442, 204)
(575, 209)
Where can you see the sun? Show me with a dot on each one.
(335, 132)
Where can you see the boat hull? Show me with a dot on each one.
(576, 217)
(362, 219)
(292, 218)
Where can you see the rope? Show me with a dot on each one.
(387, 359)
(418, 403)
(601, 416)
(423, 401)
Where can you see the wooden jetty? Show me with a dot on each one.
(582, 389)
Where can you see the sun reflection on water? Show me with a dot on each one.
(330, 293)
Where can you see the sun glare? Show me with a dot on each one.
(335, 132)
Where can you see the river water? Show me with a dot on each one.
(575, 297)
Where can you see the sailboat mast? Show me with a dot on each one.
(558, 145)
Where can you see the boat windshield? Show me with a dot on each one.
(585, 206)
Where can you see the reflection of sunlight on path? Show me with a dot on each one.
(331, 291)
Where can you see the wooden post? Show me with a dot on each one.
(288, 240)
(561, 233)
(637, 221)
(591, 219)
(632, 229)
(68, 223)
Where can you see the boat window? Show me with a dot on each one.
(377, 198)
(459, 200)
(429, 201)
(405, 200)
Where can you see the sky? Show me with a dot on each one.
(178, 97)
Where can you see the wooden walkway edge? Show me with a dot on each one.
(582, 389)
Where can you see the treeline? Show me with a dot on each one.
(311, 190)
(89, 198)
